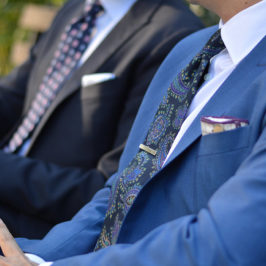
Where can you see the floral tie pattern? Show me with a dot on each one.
(162, 132)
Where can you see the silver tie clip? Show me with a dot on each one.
(148, 149)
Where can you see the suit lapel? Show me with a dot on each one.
(226, 95)
(134, 20)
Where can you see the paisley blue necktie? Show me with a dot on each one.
(73, 43)
(162, 132)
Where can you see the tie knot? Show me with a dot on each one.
(94, 5)
(214, 46)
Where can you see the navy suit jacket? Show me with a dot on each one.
(207, 205)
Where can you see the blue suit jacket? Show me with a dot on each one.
(207, 206)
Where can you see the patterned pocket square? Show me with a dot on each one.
(212, 124)
(91, 79)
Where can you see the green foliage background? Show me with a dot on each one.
(9, 14)
(9, 32)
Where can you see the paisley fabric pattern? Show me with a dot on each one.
(73, 43)
(161, 135)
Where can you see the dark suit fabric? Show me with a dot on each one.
(77, 144)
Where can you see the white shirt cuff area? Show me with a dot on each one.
(38, 260)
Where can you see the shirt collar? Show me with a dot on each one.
(116, 7)
(244, 31)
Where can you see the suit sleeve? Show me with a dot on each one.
(44, 190)
(230, 231)
(77, 235)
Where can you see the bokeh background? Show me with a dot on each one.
(16, 36)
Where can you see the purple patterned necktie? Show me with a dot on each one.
(163, 130)
(73, 43)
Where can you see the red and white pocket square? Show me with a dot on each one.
(212, 124)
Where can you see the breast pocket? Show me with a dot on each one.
(102, 105)
(219, 156)
(100, 90)
(224, 142)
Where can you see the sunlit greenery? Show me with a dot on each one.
(9, 14)
(207, 17)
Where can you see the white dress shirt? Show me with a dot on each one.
(114, 11)
(240, 35)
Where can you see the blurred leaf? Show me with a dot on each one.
(206, 16)
(10, 11)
